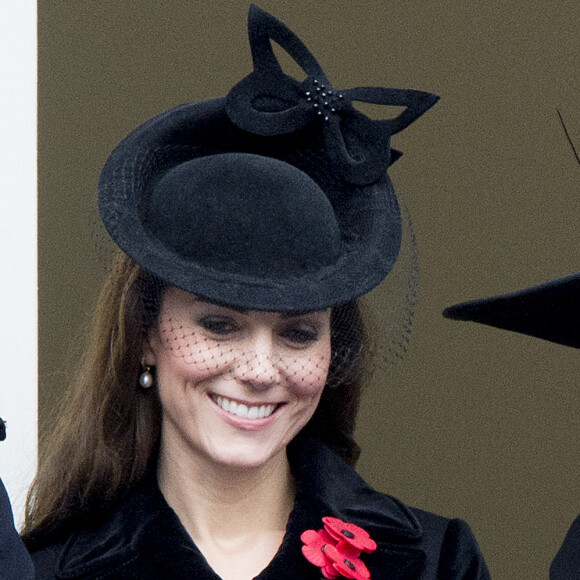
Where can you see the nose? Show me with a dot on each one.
(258, 364)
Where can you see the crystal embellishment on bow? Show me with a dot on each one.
(269, 102)
(325, 100)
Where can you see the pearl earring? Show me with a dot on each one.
(146, 378)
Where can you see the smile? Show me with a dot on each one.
(243, 410)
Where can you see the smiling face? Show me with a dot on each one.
(235, 386)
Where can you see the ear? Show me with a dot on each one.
(150, 348)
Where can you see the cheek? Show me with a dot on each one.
(308, 373)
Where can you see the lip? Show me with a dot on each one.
(242, 422)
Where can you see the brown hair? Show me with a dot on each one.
(107, 434)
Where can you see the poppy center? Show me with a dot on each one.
(350, 564)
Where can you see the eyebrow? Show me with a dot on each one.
(284, 314)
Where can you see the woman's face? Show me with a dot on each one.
(235, 385)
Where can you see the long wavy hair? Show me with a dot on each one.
(107, 435)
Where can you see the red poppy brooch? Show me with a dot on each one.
(336, 549)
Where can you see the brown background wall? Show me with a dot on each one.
(475, 422)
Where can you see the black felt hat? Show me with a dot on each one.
(275, 197)
(550, 310)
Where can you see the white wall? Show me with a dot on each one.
(18, 281)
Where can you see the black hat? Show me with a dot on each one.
(550, 310)
(275, 197)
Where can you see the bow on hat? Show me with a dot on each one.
(269, 102)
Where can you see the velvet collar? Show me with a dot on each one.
(145, 539)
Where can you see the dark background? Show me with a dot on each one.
(475, 422)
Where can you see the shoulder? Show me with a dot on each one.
(421, 543)
(14, 560)
(141, 538)
(45, 561)
(566, 564)
(451, 546)
(101, 541)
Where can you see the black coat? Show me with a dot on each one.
(15, 564)
(566, 564)
(144, 539)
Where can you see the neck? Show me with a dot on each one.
(226, 505)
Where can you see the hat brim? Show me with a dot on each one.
(368, 216)
(550, 311)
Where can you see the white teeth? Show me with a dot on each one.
(241, 410)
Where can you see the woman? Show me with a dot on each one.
(211, 431)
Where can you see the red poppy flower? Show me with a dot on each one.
(348, 567)
(336, 549)
(314, 549)
(350, 534)
(330, 572)
(346, 549)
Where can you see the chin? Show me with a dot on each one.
(246, 456)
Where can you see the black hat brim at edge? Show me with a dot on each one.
(550, 311)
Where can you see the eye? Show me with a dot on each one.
(219, 325)
(301, 334)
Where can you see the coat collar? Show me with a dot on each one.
(332, 488)
(144, 538)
